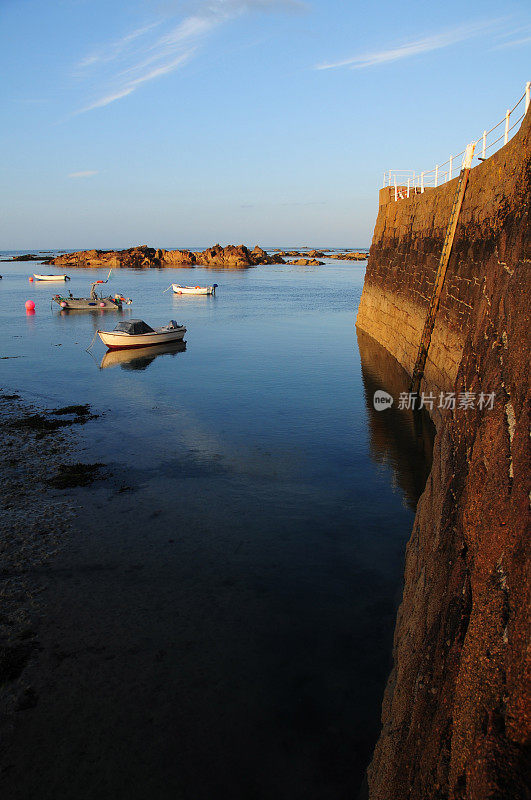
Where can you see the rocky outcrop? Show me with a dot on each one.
(303, 253)
(456, 713)
(356, 256)
(352, 256)
(306, 262)
(235, 257)
(27, 257)
(178, 258)
(143, 257)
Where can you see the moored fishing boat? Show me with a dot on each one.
(50, 277)
(137, 333)
(71, 303)
(177, 289)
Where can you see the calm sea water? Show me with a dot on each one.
(227, 599)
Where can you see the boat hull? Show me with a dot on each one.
(84, 304)
(116, 340)
(51, 277)
(193, 289)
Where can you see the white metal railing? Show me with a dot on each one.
(406, 182)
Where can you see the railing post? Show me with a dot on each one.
(507, 115)
(383, 185)
(422, 183)
(396, 190)
(469, 155)
(436, 174)
(450, 168)
(484, 148)
(527, 95)
(389, 177)
(408, 180)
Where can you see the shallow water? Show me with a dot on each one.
(230, 593)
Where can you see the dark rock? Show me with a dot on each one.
(306, 262)
(28, 699)
(81, 410)
(13, 659)
(70, 475)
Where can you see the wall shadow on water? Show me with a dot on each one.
(399, 437)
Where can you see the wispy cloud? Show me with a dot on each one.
(514, 43)
(147, 53)
(425, 44)
(134, 84)
(116, 48)
(85, 173)
(515, 37)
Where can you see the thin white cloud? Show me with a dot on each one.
(516, 42)
(134, 84)
(425, 44)
(522, 37)
(85, 173)
(115, 49)
(141, 56)
(108, 99)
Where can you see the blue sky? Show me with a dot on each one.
(258, 121)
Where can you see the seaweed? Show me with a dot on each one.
(70, 475)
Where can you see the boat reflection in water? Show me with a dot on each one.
(401, 438)
(93, 312)
(140, 358)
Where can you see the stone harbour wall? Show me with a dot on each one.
(456, 712)
(405, 250)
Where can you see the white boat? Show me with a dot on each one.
(50, 277)
(136, 333)
(194, 289)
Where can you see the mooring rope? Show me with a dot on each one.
(92, 343)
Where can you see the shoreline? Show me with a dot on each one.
(32, 534)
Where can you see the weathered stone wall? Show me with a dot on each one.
(456, 714)
(405, 251)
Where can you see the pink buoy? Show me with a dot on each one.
(30, 278)
(30, 305)
(62, 304)
(102, 305)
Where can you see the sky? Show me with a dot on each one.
(181, 123)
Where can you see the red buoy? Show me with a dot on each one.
(30, 305)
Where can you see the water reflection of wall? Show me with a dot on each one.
(401, 438)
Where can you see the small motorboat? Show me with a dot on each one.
(194, 289)
(137, 333)
(93, 302)
(50, 277)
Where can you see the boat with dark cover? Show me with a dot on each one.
(137, 333)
